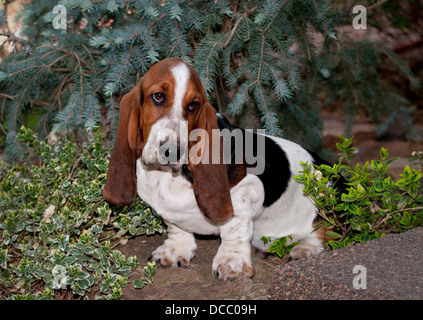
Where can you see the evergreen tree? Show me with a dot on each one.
(257, 61)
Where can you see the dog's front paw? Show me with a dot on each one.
(174, 254)
(228, 267)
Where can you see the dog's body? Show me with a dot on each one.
(173, 199)
(222, 199)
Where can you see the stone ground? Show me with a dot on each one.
(326, 277)
(388, 268)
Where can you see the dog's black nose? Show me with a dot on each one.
(170, 152)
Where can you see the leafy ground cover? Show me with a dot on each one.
(57, 233)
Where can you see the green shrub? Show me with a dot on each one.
(56, 230)
(373, 203)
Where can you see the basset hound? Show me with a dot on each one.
(194, 193)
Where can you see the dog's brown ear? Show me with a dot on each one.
(121, 184)
(210, 178)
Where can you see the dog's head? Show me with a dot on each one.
(156, 120)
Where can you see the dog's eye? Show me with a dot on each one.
(158, 98)
(193, 106)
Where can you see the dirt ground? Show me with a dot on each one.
(196, 282)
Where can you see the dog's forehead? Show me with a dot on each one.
(173, 70)
(164, 66)
(180, 73)
(159, 72)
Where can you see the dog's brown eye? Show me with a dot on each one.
(193, 106)
(158, 98)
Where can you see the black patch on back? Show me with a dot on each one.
(276, 174)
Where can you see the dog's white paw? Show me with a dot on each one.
(231, 265)
(174, 253)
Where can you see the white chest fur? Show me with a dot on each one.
(172, 196)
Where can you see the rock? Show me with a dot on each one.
(386, 268)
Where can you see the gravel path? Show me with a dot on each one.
(387, 268)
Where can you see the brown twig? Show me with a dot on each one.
(377, 225)
(6, 96)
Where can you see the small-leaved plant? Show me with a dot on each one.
(57, 233)
(280, 246)
(359, 202)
